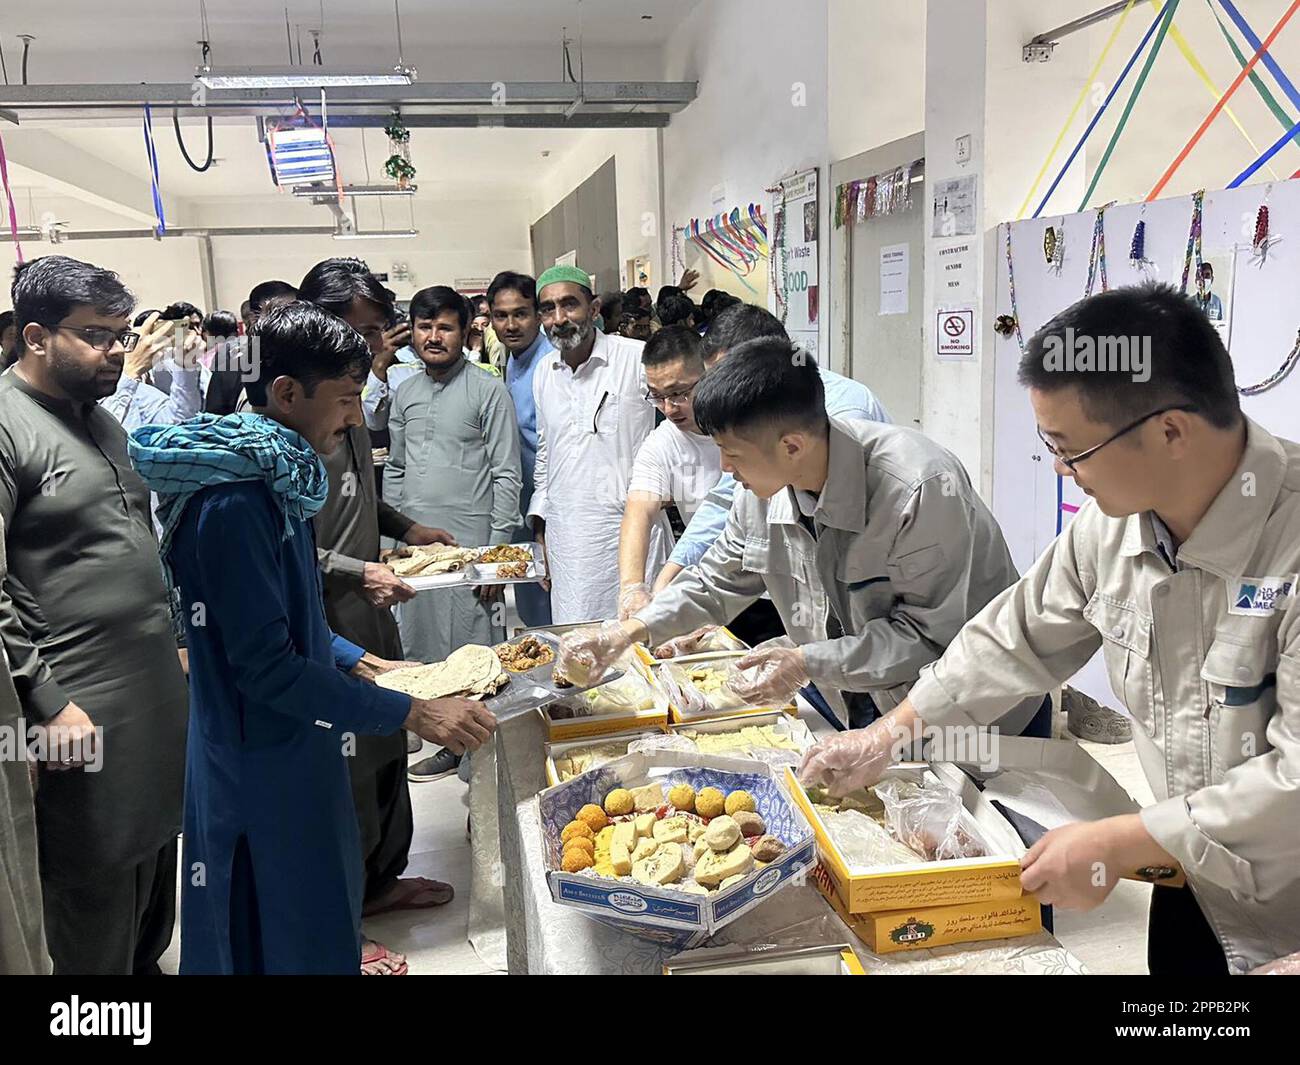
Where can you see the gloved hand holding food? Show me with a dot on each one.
(770, 674)
(586, 654)
(858, 758)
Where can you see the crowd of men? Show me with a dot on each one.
(194, 613)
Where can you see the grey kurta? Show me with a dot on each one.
(348, 528)
(88, 623)
(453, 463)
(22, 940)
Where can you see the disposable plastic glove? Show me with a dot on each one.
(691, 643)
(857, 758)
(586, 654)
(631, 598)
(770, 674)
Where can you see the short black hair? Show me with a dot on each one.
(611, 307)
(6, 320)
(638, 295)
(715, 302)
(674, 342)
(179, 311)
(674, 309)
(304, 341)
(773, 385)
(221, 324)
(740, 323)
(509, 281)
(143, 317)
(438, 299)
(266, 291)
(1186, 362)
(332, 284)
(48, 289)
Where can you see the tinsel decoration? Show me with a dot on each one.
(1097, 254)
(1276, 378)
(1014, 316)
(1054, 247)
(1137, 249)
(875, 196)
(398, 166)
(1194, 246)
(1263, 241)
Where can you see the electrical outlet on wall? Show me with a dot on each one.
(964, 148)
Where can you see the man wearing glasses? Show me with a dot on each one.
(676, 462)
(86, 629)
(1182, 569)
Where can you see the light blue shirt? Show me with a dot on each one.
(376, 396)
(136, 403)
(845, 398)
(519, 382)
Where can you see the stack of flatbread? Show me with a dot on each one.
(429, 559)
(472, 671)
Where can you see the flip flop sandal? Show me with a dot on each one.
(432, 892)
(379, 953)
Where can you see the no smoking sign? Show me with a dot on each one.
(955, 334)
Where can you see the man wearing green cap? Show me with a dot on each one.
(592, 415)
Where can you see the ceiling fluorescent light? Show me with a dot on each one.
(377, 234)
(307, 77)
(354, 190)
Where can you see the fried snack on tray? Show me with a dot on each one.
(506, 553)
(528, 653)
(511, 570)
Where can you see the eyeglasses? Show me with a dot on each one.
(1074, 460)
(673, 399)
(102, 338)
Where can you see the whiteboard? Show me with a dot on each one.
(1262, 311)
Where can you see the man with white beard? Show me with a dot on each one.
(592, 416)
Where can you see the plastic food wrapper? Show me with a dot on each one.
(629, 694)
(930, 819)
(663, 741)
(865, 843)
(701, 687)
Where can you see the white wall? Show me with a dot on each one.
(457, 239)
(636, 176)
(750, 124)
(876, 71)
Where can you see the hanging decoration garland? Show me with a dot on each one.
(398, 165)
(1054, 247)
(1194, 246)
(1263, 241)
(152, 152)
(779, 257)
(873, 197)
(1010, 323)
(678, 259)
(1097, 254)
(1280, 374)
(1137, 249)
(9, 199)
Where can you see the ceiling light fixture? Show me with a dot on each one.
(306, 77)
(354, 190)
(377, 234)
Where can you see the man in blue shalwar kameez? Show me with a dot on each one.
(271, 874)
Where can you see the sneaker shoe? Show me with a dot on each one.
(435, 767)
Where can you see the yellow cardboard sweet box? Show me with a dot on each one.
(597, 720)
(680, 715)
(618, 743)
(793, 727)
(922, 885)
(935, 926)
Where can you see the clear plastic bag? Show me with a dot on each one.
(662, 741)
(700, 687)
(930, 819)
(863, 842)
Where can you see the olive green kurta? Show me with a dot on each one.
(454, 464)
(87, 622)
(22, 938)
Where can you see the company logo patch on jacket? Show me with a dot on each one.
(1260, 596)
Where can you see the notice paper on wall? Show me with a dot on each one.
(956, 272)
(953, 211)
(895, 264)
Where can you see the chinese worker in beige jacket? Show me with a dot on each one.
(1182, 569)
